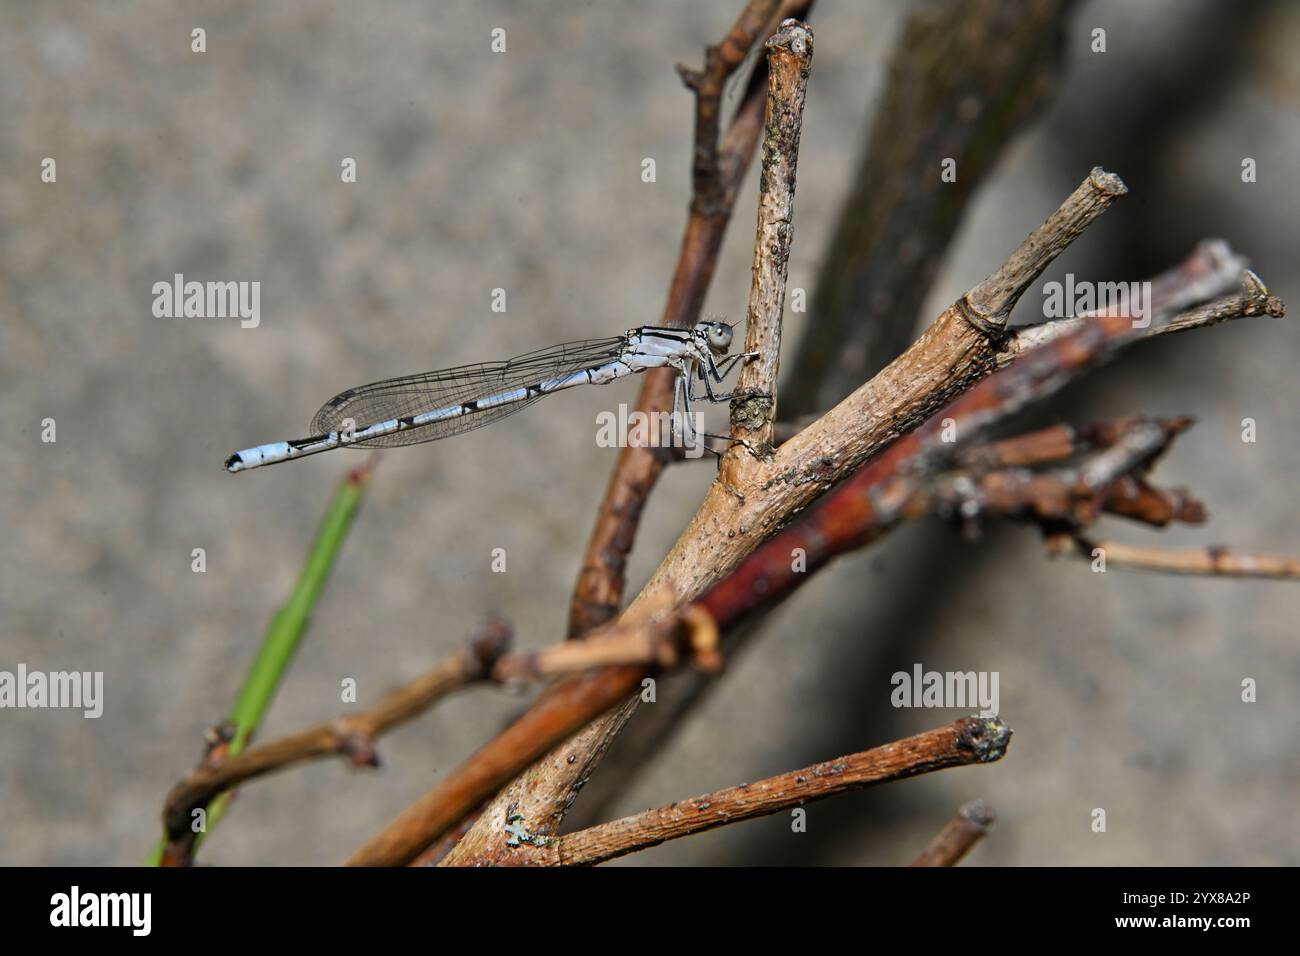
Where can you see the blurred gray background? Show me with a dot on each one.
(522, 171)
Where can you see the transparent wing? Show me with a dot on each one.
(427, 391)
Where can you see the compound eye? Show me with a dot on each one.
(720, 336)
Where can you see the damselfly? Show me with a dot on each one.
(433, 405)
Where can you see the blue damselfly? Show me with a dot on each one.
(432, 405)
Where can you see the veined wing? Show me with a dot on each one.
(429, 391)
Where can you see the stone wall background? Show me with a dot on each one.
(522, 171)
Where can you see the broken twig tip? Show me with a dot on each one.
(987, 737)
(979, 813)
(795, 36)
(1108, 183)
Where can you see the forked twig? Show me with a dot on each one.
(718, 168)
(352, 735)
(966, 741)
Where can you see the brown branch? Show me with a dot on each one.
(1055, 500)
(1054, 443)
(1210, 271)
(598, 592)
(601, 581)
(1215, 560)
(966, 741)
(1111, 478)
(883, 493)
(1067, 496)
(544, 793)
(957, 350)
(789, 55)
(679, 639)
(789, 59)
(444, 844)
(352, 735)
(1130, 497)
(1138, 500)
(860, 510)
(961, 833)
(709, 86)
(954, 353)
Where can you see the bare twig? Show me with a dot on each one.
(352, 735)
(955, 840)
(965, 741)
(720, 61)
(1212, 265)
(1105, 480)
(444, 844)
(1111, 478)
(1054, 443)
(688, 638)
(1214, 561)
(1211, 270)
(599, 588)
(789, 58)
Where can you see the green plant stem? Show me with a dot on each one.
(284, 633)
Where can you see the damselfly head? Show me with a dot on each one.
(717, 334)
